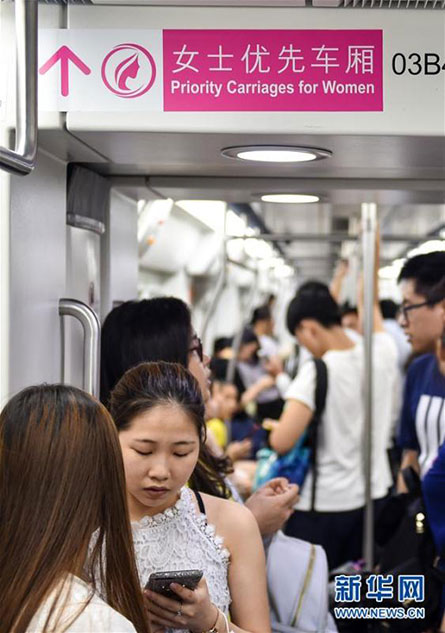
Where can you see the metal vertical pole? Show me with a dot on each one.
(369, 222)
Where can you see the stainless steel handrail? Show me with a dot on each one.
(369, 219)
(22, 160)
(91, 348)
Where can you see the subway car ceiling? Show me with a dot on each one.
(395, 158)
(402, 175)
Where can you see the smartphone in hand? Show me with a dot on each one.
(160, 581)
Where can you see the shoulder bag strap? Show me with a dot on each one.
(321, 391)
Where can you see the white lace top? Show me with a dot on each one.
(181, 538)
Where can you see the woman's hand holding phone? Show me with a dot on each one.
(193, 610)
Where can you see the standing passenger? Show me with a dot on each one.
(422, 425)
(390, 310)
(159, 412)
(349, 318)
(153, 330)
(161, 329)
(263, 325)
(337, 523)
(256, 383)
(61, 479)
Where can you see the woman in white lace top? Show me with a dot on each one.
(61, 478)
(159, 413)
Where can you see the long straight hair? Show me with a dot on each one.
(153, 330)
(61, 480)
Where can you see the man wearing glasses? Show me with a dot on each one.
(422, 316)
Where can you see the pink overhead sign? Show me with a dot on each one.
(276, 70)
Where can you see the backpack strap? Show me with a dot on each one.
(321, 391)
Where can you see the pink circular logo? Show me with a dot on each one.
(129, 71)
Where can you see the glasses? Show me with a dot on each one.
(197, 347)
(405, 310)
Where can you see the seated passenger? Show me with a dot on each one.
(222, 408)
(242, 426)
(61, 479)
(161, 329)
(337, 523)
(225, 396)
(159, 412)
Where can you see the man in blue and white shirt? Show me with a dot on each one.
(422, 426)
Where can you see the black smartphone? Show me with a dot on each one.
(160, 581)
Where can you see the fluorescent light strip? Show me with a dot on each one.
(276, 153)
(289, 198)
(276, 156)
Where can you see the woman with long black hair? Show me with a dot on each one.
(159, 412)
(153, 330)
(160, 329)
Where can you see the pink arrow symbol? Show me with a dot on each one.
(65, 55)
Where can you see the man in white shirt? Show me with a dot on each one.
(337, 523)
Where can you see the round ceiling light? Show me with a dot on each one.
(289, 198)
(276, 153)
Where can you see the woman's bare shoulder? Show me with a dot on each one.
(229, 517)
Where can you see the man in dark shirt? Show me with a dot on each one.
(422, 428)
(433, 485)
